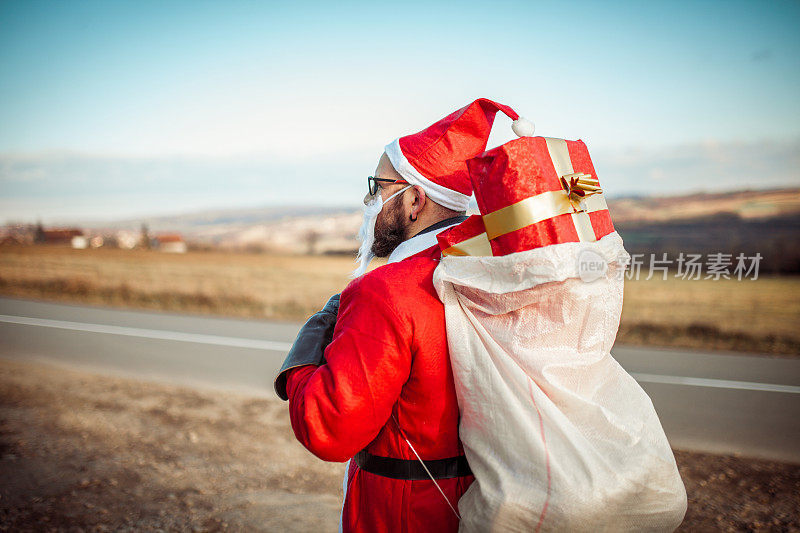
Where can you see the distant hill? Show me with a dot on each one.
(749, 221)
(229, 217)
(745, 203)
(290, 229)
(748, 204)
(776, 238)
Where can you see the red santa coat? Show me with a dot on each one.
(388, 361)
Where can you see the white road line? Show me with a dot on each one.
(150, 333)
(716, 383)
(239, 342)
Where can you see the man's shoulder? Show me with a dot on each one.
(398, 279)
(418, 266)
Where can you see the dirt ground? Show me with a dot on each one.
(85, 452)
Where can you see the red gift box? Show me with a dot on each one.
(538, 191)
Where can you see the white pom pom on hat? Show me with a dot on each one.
(523, 127)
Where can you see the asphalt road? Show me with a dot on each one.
(720, 403)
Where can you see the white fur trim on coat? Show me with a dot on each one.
(416, 244)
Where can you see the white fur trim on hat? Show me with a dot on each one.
(438, 193)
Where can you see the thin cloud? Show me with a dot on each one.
(79, 185)
(708, 167)
(762, 55)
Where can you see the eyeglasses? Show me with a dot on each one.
(372, 184)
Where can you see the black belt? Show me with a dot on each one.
(412, 469)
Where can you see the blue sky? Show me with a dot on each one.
(122, 108)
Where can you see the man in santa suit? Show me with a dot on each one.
(368, 377)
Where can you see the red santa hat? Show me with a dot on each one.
(435, 158)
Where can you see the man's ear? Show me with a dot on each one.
(420, 199)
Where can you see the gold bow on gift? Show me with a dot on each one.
(579, 186)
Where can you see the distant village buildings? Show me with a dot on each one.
(169, 242)
(15, 234)
(79, 241)
(60, 236)
(127, 239)
(313, 234)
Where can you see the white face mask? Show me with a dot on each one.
(366, 234)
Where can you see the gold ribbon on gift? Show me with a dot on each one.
(580, 195)
(474, 246)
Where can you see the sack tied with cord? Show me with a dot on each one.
(558, 435)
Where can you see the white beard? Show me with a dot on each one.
(366, 234)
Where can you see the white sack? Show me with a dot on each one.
(558, 435)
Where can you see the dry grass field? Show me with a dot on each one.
(222, 283)
(750, 315)
(757, 316)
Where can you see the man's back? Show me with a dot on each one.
(387, 378)
(386, 387)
